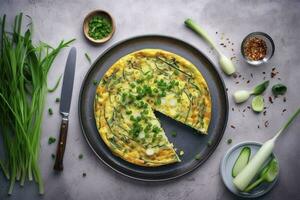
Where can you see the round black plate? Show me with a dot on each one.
(187, 139)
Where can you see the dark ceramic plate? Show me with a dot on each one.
(187, 139)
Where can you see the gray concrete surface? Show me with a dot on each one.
(56, 20)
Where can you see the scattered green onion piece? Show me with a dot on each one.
(56, 85)
(95, 82)
(51, 140)
(174, 134)
(88, 58)
(229, 141)
(197, 156)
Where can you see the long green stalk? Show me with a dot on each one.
(24, 68)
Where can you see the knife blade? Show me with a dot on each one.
(64, 108)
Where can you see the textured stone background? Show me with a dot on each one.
(56, 20)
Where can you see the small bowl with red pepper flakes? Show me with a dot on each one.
(257, 48)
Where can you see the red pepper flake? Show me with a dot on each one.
(265, 108)
(232, 108)
(257, 126)
(270, 99)
(284, 99)
(266, 123)
(263, 72)
(249, 107)
(248, 81)
(234, 75)
(232, 126)
(273, 69)
(232, 49)
(273, 74)
(222, 44)
(237, 82)
(244, 110)
(283, 110)
(264, 113)
(240, 76)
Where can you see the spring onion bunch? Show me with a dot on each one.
(24, 67)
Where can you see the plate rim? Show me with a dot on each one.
(213, 148)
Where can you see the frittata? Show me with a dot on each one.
(138, 84)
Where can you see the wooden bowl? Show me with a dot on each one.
(86, 26)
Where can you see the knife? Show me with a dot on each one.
(65, 103)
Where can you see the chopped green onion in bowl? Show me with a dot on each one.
(99, 27)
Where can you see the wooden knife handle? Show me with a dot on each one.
(58, 166)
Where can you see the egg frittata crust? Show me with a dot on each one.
(135, 86)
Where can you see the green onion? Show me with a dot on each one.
(56, 85)
(197, 156)
(241, 96)
(50, 111)
(229, 141)
(51, 140)
(24, 68)
(174, 134)
(88, 58)
(259, 89)
(99, 27)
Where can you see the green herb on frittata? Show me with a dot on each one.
(197, 156)
(174, 134)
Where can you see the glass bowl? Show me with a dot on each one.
(270, 48)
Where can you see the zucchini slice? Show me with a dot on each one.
(241, 161)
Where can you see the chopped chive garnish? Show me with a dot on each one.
(174, 134)
(181, 152)
(56, 85)
(209, 143)
(88, 57)
(50, 111)
(198, 156)
(95, 82)
(51, 140)
(229, 141)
